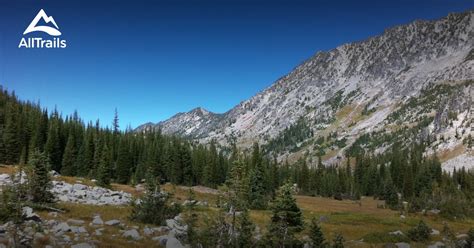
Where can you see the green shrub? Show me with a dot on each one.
(420, 233)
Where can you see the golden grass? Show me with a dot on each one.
(449, 154)
(7, 169)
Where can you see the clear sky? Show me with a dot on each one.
(152, 59)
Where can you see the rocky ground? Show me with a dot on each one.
(51, 232)
(98, 217)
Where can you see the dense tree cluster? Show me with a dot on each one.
(111, 155)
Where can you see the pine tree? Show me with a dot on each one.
(69, 157)
(316, 235)
(390, 194)
(115, 123)
(238, 184)
(104, 172)
(286, 219)
(257, 198)
(408, 183)
(39, 181)
(154, 207)
(53, 146)
(470, 238)
(245, 230)
(11, 135)
(338, 241)
(124, 162)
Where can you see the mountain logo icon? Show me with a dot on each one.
(47, 29)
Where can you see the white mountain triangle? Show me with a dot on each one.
(48, 19)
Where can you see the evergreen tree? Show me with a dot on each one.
(11, 135)
(257, 198)
(104, 172)
(39, 181)
(238, 184)
(316, 235)
(408, 184)
(286, 219)
(69, 158)
(338, 241)
(154, 207)
(53, 146)
(124, 162)
(245, 230)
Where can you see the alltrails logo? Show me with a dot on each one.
(39, 42)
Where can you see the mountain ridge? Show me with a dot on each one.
(376, 74)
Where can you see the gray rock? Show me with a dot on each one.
(78, 229)
(75, 222)
(79, 186)
(132, 233)
(148, 231)
(173, 243)
(462, 236)
(61, 228)
(54, 173)
(437, 245)
(112, 222)
(323, 219)
(398, 232)
(189, 202)
(402, 245)
(98, 232)
(434, 232)
(28, 214)
(82, 245)
(161, 239)
(176, 228)
(161, 229)
(434, 211)
(66, 238)
(97, 220)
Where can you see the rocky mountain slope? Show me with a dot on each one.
(354, 90)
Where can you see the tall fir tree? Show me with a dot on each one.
(287, 219)
(39, 181)
(316, 235)
(68, 167)
(104, 172)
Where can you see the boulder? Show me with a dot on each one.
(462, 236)
(402, 245)
(396, 233)
(28, 214)
(434, 232)
(161, 229)
(148, 231)
(437, 245)
(132, 234)
(161, 239)
(54, 173)
(173, 243)
(82, 245)
(112, 222)
(78, 229)
(61, 227)
(75, 222)
(323, 219)
(97, 220)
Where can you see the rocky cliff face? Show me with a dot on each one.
(351, 89)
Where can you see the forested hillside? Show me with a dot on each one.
(111, 155)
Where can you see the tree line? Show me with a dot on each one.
(109, 154)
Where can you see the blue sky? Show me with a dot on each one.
(152, 59)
